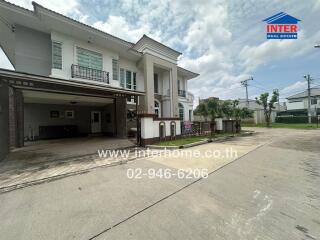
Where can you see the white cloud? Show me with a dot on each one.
(118, 26)
(4, 61)
(60, 6)
(256, 55)
(294, 88)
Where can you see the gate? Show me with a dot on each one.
(138, 131)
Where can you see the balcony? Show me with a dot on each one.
(89, 74)
(181, 93)
(190, 97)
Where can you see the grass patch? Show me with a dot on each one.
(285, 125)
(191, 139)
(182, 141)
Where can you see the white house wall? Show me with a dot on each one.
(153, 127)
(32, 51)
(69, 57)
(303, 104)
(295, 105)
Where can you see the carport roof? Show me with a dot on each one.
(15, 76)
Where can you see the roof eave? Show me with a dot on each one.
(7, 74)
(39, 9)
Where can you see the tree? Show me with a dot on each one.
(267, 105)
(214, 109)
(227, 108)
(246, 113)
(202, 110)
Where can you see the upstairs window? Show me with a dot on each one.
(89, 59)
(56, 55)
(134, 86)
(128, 80)
(156, 83)
(122, 80)
(115, 70)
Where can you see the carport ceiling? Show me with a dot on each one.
(65, 99)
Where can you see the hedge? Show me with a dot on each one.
(295, 119)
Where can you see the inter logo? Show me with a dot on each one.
(282, 26)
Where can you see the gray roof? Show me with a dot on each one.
(314, 92)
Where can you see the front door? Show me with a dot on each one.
(95, 122)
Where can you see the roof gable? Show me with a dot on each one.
(146, 44)
(281, 18)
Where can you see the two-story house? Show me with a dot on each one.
(71, 79)
(298, 103)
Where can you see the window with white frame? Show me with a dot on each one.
(128, 79)
(314, 101)
(181, 112)
(115, 69)
(56, 55)
(122, 80)
(89, 59)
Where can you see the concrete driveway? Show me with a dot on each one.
(271, 192)
(46, 159)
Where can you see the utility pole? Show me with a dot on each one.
(245, 84)
(308, 78)
(277, 91)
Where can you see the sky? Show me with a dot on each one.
(224, 41)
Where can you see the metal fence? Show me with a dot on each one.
(196, 128)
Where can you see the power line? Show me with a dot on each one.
(269, 89)
(264, 89)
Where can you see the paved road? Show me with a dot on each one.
(272, 192)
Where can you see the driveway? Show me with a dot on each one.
(270, 192)
(46, 159)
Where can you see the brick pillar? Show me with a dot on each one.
(12, 121)
(16, 118)
(20, 118)
(4, 120)
(121, 116)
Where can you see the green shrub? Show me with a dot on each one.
(295, 119)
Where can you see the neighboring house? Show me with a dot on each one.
(72, 79)
(298, 104)
(258, 111)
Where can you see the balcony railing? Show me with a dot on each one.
(89, 73)
(181, 93)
